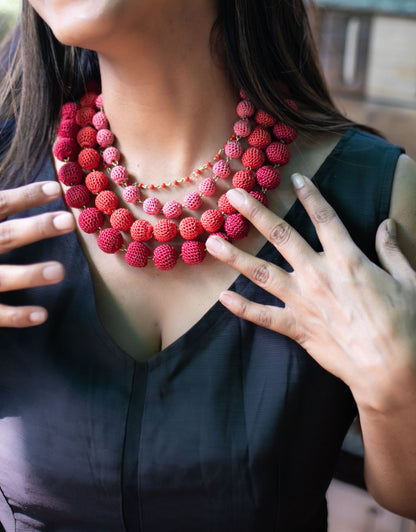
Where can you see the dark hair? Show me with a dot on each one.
(259, 42)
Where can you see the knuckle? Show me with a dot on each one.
(324, 214)
(4, 204)
(264, 318)
(261, 274)
(280, 234)
(6, 235)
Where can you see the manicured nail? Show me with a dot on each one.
(236, 197)
(226, 299)
(298, 181)
(38, 316)
(52, 272)
(64, 221)
(214, 245)
(391, 228)
(51, 189)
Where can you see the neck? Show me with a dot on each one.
(168, 100)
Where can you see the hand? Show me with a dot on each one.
(352, 317)
(19, 232)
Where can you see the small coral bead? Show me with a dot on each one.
(225, 206)
(87, 137)
(242, 128)
(245, 109)
(253, 158)
(84, 116)
(244, 179)
(193, 252)
(106, 201)
(70, 174)
(90, 220)
(152, 206)
(207, 187)
(137, 254)
(190, 228)
(236, 226)
(99, 120)
(221, 169)
(172, 209)
(165, 230)
(233, 149)
(68, 129)
(192, 201)
(260, 138)
(286, 133)
(105, 138)
(89, 159)
(141, 231)
(121, 219)
(96, 182)
(66, 149)
(110, 240)
(131, 194)
(212, 220)
(268, 177)
(111, 155)
(77, 196)
(119, 174)
(165, 257)
(278, 153)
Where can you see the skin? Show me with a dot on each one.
(149, 66)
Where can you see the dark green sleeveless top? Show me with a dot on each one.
(230, 428)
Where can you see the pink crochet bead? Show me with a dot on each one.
(192, 201)
(245, 109)
(278, 153)
(190, 228)
(137, 255)
(68, 129)
(99, 101)
(286, 133)
(111, 155)
(69, 110)
(141, 231)
(105, 138)
(131, 194)
(96, 182)
(110, 240)
(225, 206)
(268, 177)
(236, 226)
(87, 137)
(66, 149)
(152, 206)
(119, 174)
(70, 174)
(259, 138)
(121, 219)
(212, 220)
(88, 100)
(90, 220)
(172, 209)
(253, 158)
(260, 196)
(207, 187)
(233, 149)
(89, 159)
(99, 120)
(193, 252)
(165, 257)
(244, 179)
(221, 169)
(242, 128)
(264, 119)
(84, 116)
(77, 196)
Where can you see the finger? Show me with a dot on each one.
(265, 274)
(286, 240)
(22, 231)
(20, 199)
(330, 230)
(17, 277)
(18, 317)
(389, 253)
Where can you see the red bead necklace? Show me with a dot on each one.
(86, 145)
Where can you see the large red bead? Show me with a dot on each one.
(96, 182)
(88, 100)
(121, 219)
(268, 177)
(244, 179)
(165, 257)
(190, 228)
(245, 109)
(90, 220)
(225, 206)
(69, 110)
(87, 137)
(106, 201)
(68, 128)
(84, 116)
(110, 240)
(236, 226)
(264, 119)
(260, 196)
(193, 252)
(141, 230)
(253, 158)
(70, 174)
(212, 220)
(137, 254)
(89, 159)
(260, 138)
(165, 230)
(278, 153)
(66, 149)
(284, 132)
(77, 196)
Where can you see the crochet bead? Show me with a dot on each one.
(291, 104)
(165, 230)
(268, 177)
(222, 235)
(286, 133)
(66, 149)
(212, 220)
(253, 158)
(121, 219)
(110, 240)
(68, 129)
(99, 120)
(260, 196)
(233, 149)
(221, 169)
(264, 119)
(242, 128)
(225, 206)
(131, 194)
(207, 187)
(69, 110)
(244, 179)
(278, 153)
(137, 254)
(172, 209)
(105, 138)
(90, 220)
(96, 182)
(245, 109)
(190, 228)
(99, 101)
(106, 201)
(260, 138)
(141, 231)
(70, 174)
(193, 252)
(165, 257)
(192, 201)
(77, 196)
(236, 226)
(111, 155)
(152, 206)
(119, 174)
(88, 100)
(87, 137)
(84, 116)
(89, 159)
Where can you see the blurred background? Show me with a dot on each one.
(368, 53)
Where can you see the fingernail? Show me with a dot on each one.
(51, 189)
(53, 272)
(64, 221)
(236, 197)
(214, 245)
(226, 299)
(391, 228)
(298, 181)
(37, 316)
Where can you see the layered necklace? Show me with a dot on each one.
(86, 145)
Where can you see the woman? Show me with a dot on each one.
(139, 402)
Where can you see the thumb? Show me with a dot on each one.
(389, 253)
